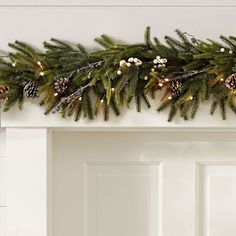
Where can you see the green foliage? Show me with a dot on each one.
(106, 85)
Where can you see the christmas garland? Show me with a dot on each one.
(70, 80)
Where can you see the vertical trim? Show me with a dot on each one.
(50, 189)
(26, 152)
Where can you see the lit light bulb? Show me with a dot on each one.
(190, 97)
(160, 84)
(112, 89)
(13, 64)
(102, 100)
(166, 80)
(55, 94)
(169, 98)
(41, 73)
(222, 79)
(40, 64)
(80, 98)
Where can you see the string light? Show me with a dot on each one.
(55, 94)
(166, 80)
(222, 79)
(80, 98)
(41, 73)
(40, 64)
(102, 100)
(190, 98)
(160, 84)
(13, 64)
(112, 89)
(169, 98)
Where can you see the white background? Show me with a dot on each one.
(81, 21)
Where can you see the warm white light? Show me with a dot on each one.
(191, 98)
(102, 100)
(160, 84)
(222, 79)
(55, 94)
(41, 73)
(169, 97)
(80, 98)
(40, 64)
(13, 64)
(166, 79)
(112, 89)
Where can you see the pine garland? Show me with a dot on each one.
(70, 80)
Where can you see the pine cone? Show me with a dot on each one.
(230, 82)
(61, 85)
(31, 90)
(3, 89)
(175, 88)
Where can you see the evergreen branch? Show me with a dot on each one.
(190, 71)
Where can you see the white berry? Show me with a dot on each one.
(131, 59)
(230, 51)
(136, 60)
(119, 72)
(122, 62)
(160, 66)
(222, 49)
(163, 65)
(155, 61)
(161, 60)
(128, 64)
(152, 70)
(165, 60)
(155, 66)
(158, 57)
(138, 63)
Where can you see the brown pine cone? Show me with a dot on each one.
(230, 82)
(175, 88)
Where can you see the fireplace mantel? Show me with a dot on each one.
(29, 147)
(34, 146)
(32, 115)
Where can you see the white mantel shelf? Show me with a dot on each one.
(32, 116)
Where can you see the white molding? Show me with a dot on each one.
(2, 182)
(26, 152)
(3, 221)
(114, 3)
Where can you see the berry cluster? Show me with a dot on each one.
(131, 61)
(158, 62)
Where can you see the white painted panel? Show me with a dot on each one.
(88, 169)
(217, 194)
(118, 2)
(26, 152)
(2, 221)
(2, 182)
(35, 25)
(104, 193)
(2, 142)
(123, 199)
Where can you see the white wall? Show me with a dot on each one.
(2, 183)
(80, 21)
